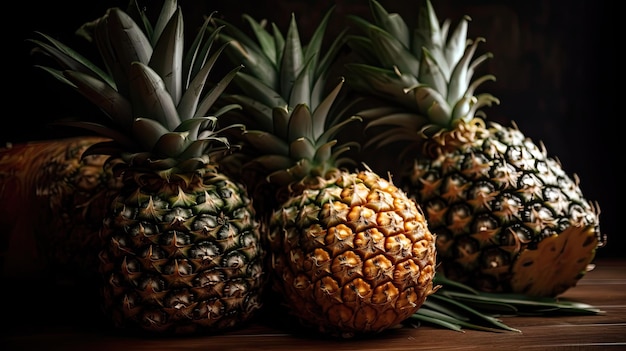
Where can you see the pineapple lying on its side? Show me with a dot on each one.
(351, 254)
(53, 205)
(506, 216)
(181, 250)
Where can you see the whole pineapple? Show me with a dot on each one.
(351, 254)
(506, 215)
(181, 249)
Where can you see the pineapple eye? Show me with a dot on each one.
(152, 318)
(435, 211)
(209, 202)
(119, 241)
(578, 214)
(226, 193)
(153, 252)
(177, 214)
(459, 217)
(209, 278)
(204, 222)
(519, 157)
(508, 207)
(179, 299)
(495, 258)
(420, 176)
(227, 236)
(178, 266)
(175, 238)
(530, 186)
(466, 247)
(552, 194)
(234, 260)
(131, 265)
(243, 218)
(205, 250)
(542, 167)
(539, 216)
(125, 212)
(529, 180)
(154, 202)
(236, 288)
(248, 239)
(347, 266)
(484, 223)
(504, 175)
(214, 310)
(151, 282)
(516, 232)
(481, 195)
(143, 229)
(308, 215)
(556, 200)
(533, 149)
(569, 187)
(255, 270)
(231, 198)
(514, 153)
(476, 166)
(321, 261)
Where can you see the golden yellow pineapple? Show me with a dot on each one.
(350, 253)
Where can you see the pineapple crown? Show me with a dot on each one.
(152, 93)
(286, 107)
(426, 74)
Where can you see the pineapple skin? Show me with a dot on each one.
(506, 216)
(182, 255)
(53, 205)
(353, 256)
(180, 246)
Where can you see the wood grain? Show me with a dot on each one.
(65, 323)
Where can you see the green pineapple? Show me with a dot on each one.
(181, 250)
(351, 254)
(506, 215)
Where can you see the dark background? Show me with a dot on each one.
(555, 63)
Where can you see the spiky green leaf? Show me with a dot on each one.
(168, 11)
(167, 56)
(302, 148)
(127, 42)
(216, 91)
(150, 97)
(112, 103)
(69, 59)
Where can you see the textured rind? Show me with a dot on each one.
(352, 257)
(492, 197)
(53, 205)
(181, 262)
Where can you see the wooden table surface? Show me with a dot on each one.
(63, 325)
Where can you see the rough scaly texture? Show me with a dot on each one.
(353, 255)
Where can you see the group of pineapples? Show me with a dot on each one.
(261, 179)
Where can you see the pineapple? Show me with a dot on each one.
(181, 250)
(69, 197)
(506, 215)
(350, 253)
